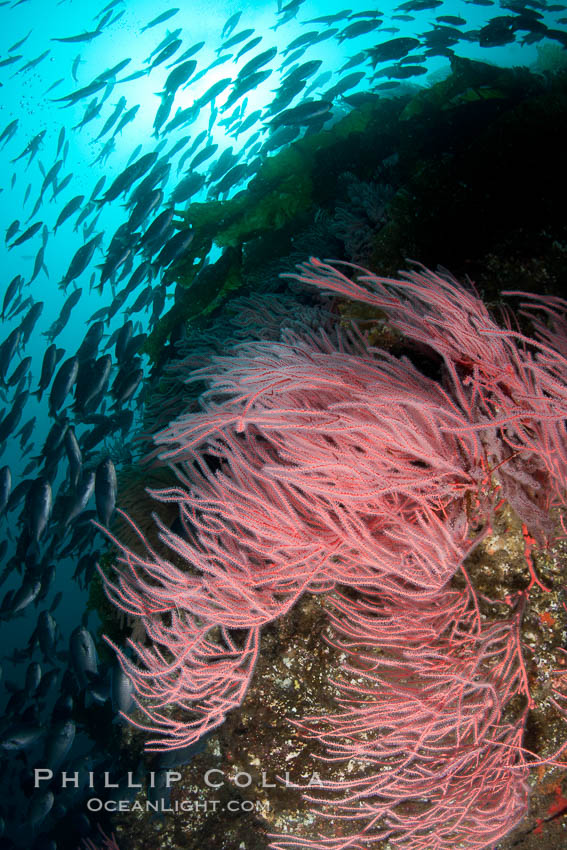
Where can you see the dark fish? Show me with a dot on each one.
(119, 252)
(355, 60)
(213, 91)
(27, 234)
(74, 456)
(20, 42)
(91, 112)
(87, 210)
(256, 63)
(187, 187)
(142, 300)
(174, 248)
(70, 207)
(54, 440)
(20, 371)
(29, 321)
(157, 231)
(179, 145)
(187, 53)
(144, 207)
(121, 690)
(158, 175)
(33, 62)
(402, 72)
(345, 83)
(498, 31)
(231, 178)
(395, 48)
(96, 191)
(83, 655)
(33, 677)
(92, 381)
(230, 24)
(126, 178)
(38, 508)
(78, 499)
(134, 154)
(305, 113)
(178, 76)
(61, 321)
(135, 75)
(202, 156)
(224, 163)
(13, 287)
(200, 137)
(46, 634)
(60, 186)
(40, 805)
(116, 17)
(105, 490)
(47, 369)
(31, 148)
(39, 264)
(5, 487)
(301, 41)
(10, 60)
(26, 431)
(19, 305)
(75, 66)
(236, 39)
(123, 336)
(302, 72)
(357, 28)
(419, 5)
(250, 45)
(125, 386)
(81, 260)
(241, 87)
(109, 7)
(113, 70)
(18, 493)
(165, 16)
(7, 351)
(105, 19)
(247, 123)
(219, 61)
(12, 230)
(63, 383)
(83, 36)
(9, 131)
(162, 113)
(58, 743)
(20, 736)
(56, 600)
(134, 345)
(22, 598)
(89, 346)
(453, 20)
(168, 38)
(368, 13)
(80, 94)
(166, 53)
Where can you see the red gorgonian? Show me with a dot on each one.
(337, 464)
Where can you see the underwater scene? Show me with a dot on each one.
(283, 406)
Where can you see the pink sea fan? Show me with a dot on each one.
(333, 467)
(513, 389)
(433, 760)
(319, 461)
(109, 842)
